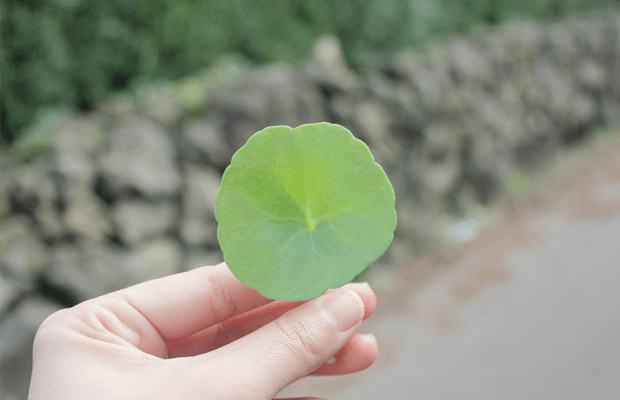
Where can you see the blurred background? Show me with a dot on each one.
(119, 117)
(59, 54)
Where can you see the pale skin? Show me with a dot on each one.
(200, 334)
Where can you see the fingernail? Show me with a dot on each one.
(344, 307)
(370, 338)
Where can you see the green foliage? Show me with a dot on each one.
(73, 53)
(76, 52)
(39, 135)
(517, 183)
(303, 210)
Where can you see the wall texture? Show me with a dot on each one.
(126, 193)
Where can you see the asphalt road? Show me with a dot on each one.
(530, 311)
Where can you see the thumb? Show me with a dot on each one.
(299, 341)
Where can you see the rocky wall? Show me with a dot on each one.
(126, 193)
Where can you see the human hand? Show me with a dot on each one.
(200, 334)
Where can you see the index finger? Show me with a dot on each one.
(182, 304)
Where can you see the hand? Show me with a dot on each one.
(200, 334)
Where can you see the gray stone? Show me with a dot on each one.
(310, 105)
(488, 110)
(509, 96)
(5, 183)
(561, 45)
(16, 340)
(198, 232)
(274, 95)
(294, 100)
(407, 120)
(523, 40)
(468, 62)
(70, 271)
(328, 52)
(592, 75)
(119, 106)
(583, 109)
(203, 141)
(441, 166)
(343, 108)
(33, 192)
(381, 87)
(158, 102)
(202, 184)
(86, 215)
(10, 291)
(76, 143)
(200, 257)
(610, 110)
(537, 126)
(560, 89)
(137, 220)
(47, 215)
(431, 82)
(407, 218)
(591, 36)
(88, 269)
(487, 156)
(614, 76)
(140, 158)
(25, 185)
(22, 255)
(404, 64)
(372, 125)
(536, 141)
(151, 260)
(333, 80)
(496, 52)
(406, 99)
(198, 226)
(536, 94)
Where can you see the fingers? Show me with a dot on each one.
(295, 344)
(241, 325)
(301, 398)
(182, 304)
(358, 354)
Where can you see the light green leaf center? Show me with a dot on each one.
(309, 221)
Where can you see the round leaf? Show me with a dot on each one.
(303, 210)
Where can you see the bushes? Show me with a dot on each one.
(73, 53)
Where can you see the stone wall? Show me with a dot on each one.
(126, 193)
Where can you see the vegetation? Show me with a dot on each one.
(303, 210)
(73, 53)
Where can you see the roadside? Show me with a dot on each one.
(579, 182)
(521, 308)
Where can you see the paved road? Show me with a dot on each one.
(529, 312)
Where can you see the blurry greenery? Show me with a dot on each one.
(517, 183)
(39, 135)
(192, 91)
(74, 53)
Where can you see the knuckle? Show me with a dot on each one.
(300, 338)
(222, 303)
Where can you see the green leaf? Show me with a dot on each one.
(303, 210)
